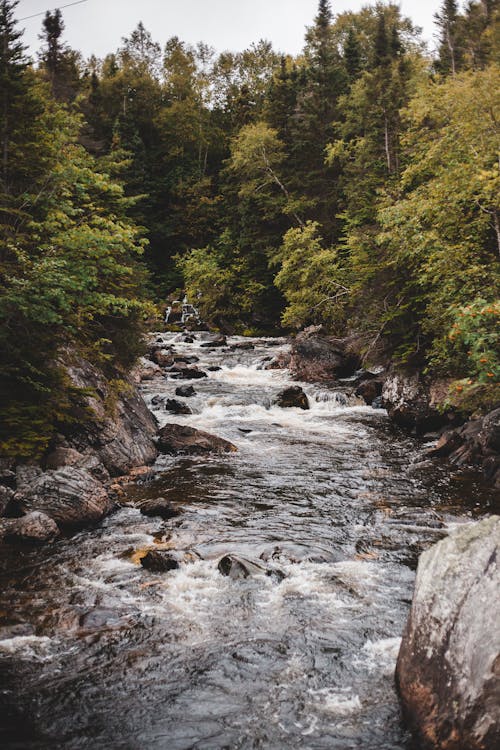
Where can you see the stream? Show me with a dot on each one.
(97, 653)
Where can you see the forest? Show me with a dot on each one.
(354, 186)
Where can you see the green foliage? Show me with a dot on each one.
(307, 279)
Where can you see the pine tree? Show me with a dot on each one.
(58, 61)
(447, 22)
(13, 65)
(352, 55)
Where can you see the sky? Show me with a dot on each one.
(97, 26)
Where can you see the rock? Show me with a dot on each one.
(215, 341)
(72, 497)
(477, 442)
(369, 390)
(280, 362)
(319, 358)
(175, 439)
(26, 474)
(448, 670)
(214, 368)
(176, 407)
(7, 472)
(89, 461)
(242, 346)
(409, 403)
(159, 562)
(293, 396)
(187, 373)
(157, 400)
(34, 527)
(238, 568)
(187, 360)
(185, 391)
(188, 339)
(146, 371)
(162, 357)
(158, 507)
(6, 495)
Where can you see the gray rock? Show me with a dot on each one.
(70, 496)
(179, 439)
(409, 403)
(319, 358)
(176, 407)
(448, 670)
(185, 391)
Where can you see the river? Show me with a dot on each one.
(106, 655)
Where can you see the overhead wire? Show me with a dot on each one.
(61, 7)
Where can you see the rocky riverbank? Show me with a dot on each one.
(413, 401)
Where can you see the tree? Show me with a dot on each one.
(449, 53)
(59, 63)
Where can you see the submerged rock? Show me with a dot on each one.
(215, 341)
(185, 391)
(176, 407)
(290, 397)
(176, 438)
(238, 568)
(159, 562)
(448, 670)
(158, 507)
(70, 496)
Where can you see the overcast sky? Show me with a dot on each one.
(97, 26)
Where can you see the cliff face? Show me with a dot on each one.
(114, 433)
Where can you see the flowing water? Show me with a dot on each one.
(98, 653)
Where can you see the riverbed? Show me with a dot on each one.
(96, 652)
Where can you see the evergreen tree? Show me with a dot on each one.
(59, 63)
(449, 56)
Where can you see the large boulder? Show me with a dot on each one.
(319, 358)
(176, 439)
(115, 424)
(412, 404)
(290, 397)
(448, 670)
(35, 527)
(71, 497)
(176, 407)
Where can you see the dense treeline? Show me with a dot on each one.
(356, 185)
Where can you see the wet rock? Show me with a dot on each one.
(6, 495)
(34, 527)
(409, 403)
(214, 341)
(448, 670)
(146, 371)
(238, 568)
(71, 497)
(63, 456)
(16, 630)
(26, 474)
(159, 507)
(162, 357)
(477, 442)
(185, 391)
(121, 433)
(280, 362)
(214, 368)
(319, 358)
(242, 346)
(187, 373)
(176, 407)
(290, 397)
(187, 360)
(159, 562)
(369, 390)
(178, 439)
(157, 400)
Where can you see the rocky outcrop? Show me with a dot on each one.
(35, 527)
(316, 358)
(448, 670)
(116, 425)
(412, 404)
(290, 397)
(181, 439)
(476, 442)
(71, 497)
(158, 507)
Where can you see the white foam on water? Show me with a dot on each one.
(379, 656)
(341, 702)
